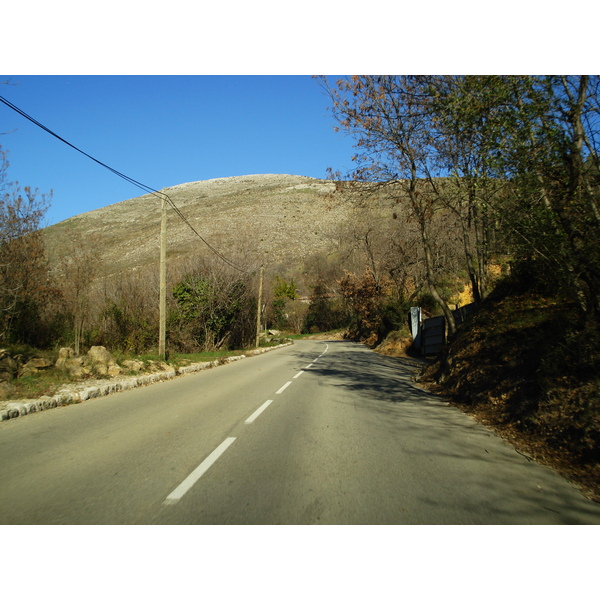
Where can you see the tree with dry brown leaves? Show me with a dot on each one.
(392, 120)
(24, 279)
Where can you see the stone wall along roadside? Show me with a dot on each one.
(82, 391)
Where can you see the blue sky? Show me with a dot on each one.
(162, 131)
(234, 95)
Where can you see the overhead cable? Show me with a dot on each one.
(138, 184)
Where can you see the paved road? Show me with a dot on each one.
(318, 432)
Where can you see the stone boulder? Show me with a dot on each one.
(101, 362)
(133, 365)
(39, 363)
(98, 361)
(34, 365)
(9, 365)
(64, 354)
(157, 366)
(73, 365)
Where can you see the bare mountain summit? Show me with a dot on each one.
(268, 218)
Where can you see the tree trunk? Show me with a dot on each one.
(431, 280)
(77, 330)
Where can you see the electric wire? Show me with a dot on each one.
(134, 182)
(185, 220)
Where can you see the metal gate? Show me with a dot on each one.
(433, 335)
(430, 336)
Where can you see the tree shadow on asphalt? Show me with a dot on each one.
(385, 386)
(383, 389)
(384, 378)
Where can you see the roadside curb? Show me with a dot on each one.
(77, 393)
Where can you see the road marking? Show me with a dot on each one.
(191, 479)
(255, 414)
(210, 460)
(282, 388)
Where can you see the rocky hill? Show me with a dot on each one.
(265, 218)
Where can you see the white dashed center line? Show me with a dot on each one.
(282, 388)
(257, 412)
(191, 479)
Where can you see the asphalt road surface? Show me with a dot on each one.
(314, 433)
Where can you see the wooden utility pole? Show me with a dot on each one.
(258, 308)
(162, 333)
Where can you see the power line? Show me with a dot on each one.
(184, 219)
(119, 174)
(138, 184)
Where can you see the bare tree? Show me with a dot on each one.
(391, 118)
(23, 269)
(127, 318)
(214, 305)
(77, 273)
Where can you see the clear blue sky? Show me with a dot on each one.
(162, 131)
(165, 130)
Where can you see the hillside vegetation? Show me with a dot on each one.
(333, 256)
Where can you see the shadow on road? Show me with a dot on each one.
(480, 471)
(381, 377)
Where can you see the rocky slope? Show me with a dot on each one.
(265, 218)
